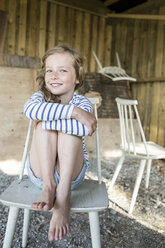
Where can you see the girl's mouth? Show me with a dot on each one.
(56, 84)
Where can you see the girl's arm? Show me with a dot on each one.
(82, 121)
(70, 126)
(37, 109)
(60, 117)
(86, 118)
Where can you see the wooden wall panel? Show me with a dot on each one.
(141, 48)
(12, 27)
(71, 26)
(159, 71)
(94, 42)
(51, 25)
(37, 25)
(86, 40)
(79, 17)
(42, 29)
(3, 28)
(108, 41)
(13, 96)
(2, 5)
(101, 37)
(22, 27)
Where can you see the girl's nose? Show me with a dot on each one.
(54, 75)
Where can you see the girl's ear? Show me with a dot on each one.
(77, 81)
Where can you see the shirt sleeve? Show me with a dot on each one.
(71, 126)
(37, 109)
(84, 104)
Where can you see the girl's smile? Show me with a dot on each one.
(60, 76)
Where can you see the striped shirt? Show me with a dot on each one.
(55, 116)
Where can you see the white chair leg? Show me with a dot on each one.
(25, 227)
(148, 172)
(10, 228)
(118, 168)
(137, 185)
(95, 229)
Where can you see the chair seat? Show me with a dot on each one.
(90, 195)
(155, 151)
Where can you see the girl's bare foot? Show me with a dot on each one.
(59, 224)
(46, 200)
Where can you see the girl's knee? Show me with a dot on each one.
(66, 136)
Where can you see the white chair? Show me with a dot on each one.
(91, 196)
(116, 73)
(144, 151)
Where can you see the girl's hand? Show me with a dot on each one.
(86, 118)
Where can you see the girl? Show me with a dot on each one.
(57, 161)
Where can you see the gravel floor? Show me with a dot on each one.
(144, 229)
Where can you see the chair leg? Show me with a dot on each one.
(95, 229)
(148, 172)
(10, 228)
(137, 185)
(118, 168)
(25, 227)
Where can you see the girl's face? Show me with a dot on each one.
(60, 76)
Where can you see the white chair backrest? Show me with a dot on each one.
(116, 73)
(126, 108)
(94, 102)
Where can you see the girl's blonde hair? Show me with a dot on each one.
(77, 64)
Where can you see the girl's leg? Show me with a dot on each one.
(42, 158)
(71, 159)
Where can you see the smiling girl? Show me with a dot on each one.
(57, 161)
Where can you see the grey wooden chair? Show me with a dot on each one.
(91, 197)
(145, 151)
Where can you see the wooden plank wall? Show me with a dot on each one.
(37, 25)
(3, 25)
(16, 85)
(141, 47)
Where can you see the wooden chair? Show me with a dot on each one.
(116, 73)
(91, 197)
(144, 151)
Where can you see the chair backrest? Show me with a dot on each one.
(94, 102)
(127, 108)
(116, 73)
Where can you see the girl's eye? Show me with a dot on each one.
(63, 70)
(49, 71)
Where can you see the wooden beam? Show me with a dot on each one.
(93, 6)
(109, 2)
(137, 16)
(9, 60)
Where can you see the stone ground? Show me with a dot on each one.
(145, 228)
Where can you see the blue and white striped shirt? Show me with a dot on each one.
(55, 116)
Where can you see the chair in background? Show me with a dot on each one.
(116, 73)
(91, 197)
(144, 151)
